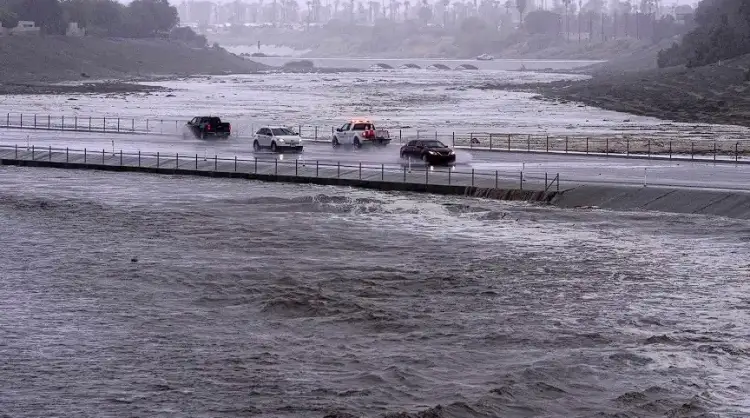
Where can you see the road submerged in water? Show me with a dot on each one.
(134, 294)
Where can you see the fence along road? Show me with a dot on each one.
(295, 170)
(565, 173)
(695, 146)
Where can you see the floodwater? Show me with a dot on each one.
(138, 295)
(428, 101)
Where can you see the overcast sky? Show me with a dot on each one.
(176, 2)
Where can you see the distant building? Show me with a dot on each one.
(24, 27)
(74, 30)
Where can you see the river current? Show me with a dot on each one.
(138, 295)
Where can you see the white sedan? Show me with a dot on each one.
(278, 139)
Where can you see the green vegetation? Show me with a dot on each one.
(105, 18)
(722, 32)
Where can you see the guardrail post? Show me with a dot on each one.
(157, 159)
(84, 155)
(256, 165)
(558, 182)
(670, 149)
(587, 145)
(692, 150)
(62, 122)
(147, 125)
(104, 124)
(66, 155)
(176, 128)
(235, 163)
(196, 162)
(32, 153)
(75, 123)
(496, 178)
(547, 143)
(490, 141)
(546, 184)
(177, 161)
(606, 147)
(276, 167)
(736, 151)
(404, 174)
(139, 158)
(295, 167)
(316, 133)
(382, 172)
(22, 120)
(360, 170)
(216, 162)
(521, 188)
(50, 152)
(316, 167)
(132, 125)
(7, 119)
(34, 120)
(649, 148)
(338, 169)
(399, 136)
(102, 155)
(89, 123)
(472, 177)
(714, 151)
(453, 138)
(161, 126)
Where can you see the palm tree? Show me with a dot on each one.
(407, 3)
(521, 6)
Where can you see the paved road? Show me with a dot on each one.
(573, 169)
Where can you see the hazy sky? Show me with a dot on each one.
(176, 2)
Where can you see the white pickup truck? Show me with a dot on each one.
(277, 138)
(360, 132)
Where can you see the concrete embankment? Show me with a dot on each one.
(732, 204)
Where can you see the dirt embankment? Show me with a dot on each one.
(718, 93)
(29, 63)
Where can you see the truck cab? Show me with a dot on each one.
(205, 126)
(359, 132)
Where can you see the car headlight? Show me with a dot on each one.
(432, 152)
(281, 140)
(451, 152)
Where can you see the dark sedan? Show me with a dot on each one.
(430, 151)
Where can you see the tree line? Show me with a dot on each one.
(107, 18)
(722, 32)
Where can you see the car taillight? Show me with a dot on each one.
(208, 127)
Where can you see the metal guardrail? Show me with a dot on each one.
(641, 145)
(298, 168)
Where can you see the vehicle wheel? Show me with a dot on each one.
(256, 146)
(335, 142)
(273, 147)
(403, 155)
(424, 157)
(357, 144)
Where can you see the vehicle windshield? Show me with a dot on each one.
(434, 144)
(282, 132)
(362, 127)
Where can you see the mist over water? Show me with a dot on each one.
(129, 294)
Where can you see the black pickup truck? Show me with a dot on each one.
(205, 126)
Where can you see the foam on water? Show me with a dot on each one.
(249, 298)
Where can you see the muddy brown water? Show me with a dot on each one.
(140, 295)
